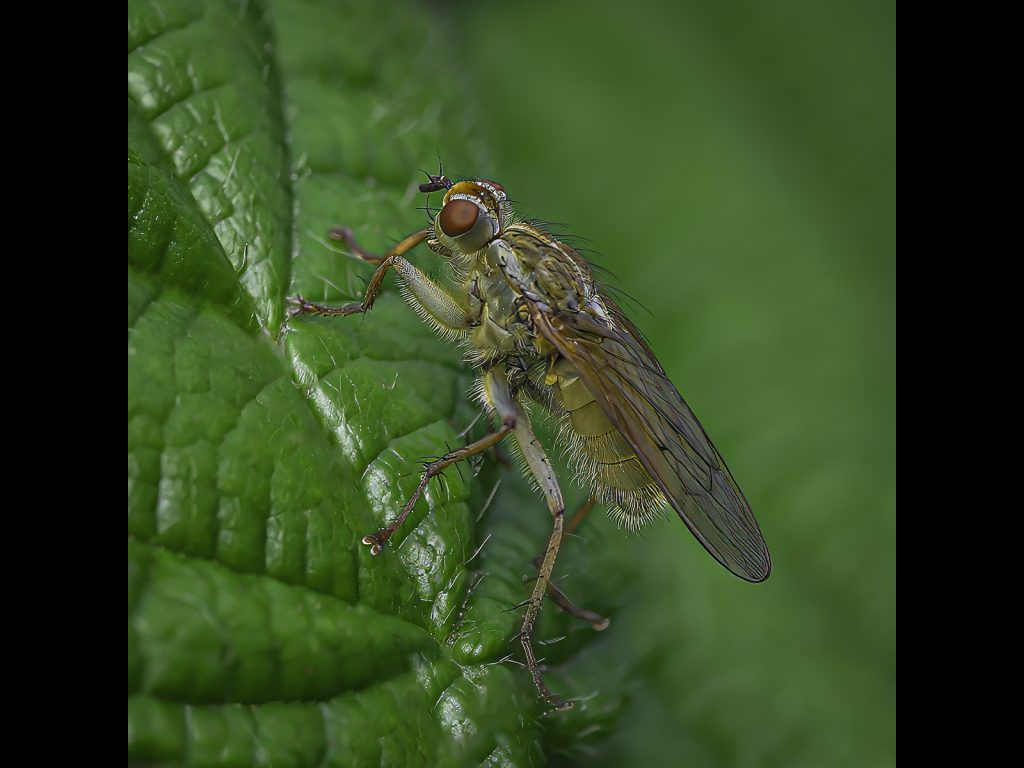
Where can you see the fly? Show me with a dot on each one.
(536, 327)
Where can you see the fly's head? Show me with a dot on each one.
(472, 214)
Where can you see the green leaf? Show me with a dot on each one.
(260, 631)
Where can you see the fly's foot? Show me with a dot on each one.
(553, 700)
(376, 541)
(557, 703)
(298, 305)
(303, 306)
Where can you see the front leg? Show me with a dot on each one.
(433, 303)
(302, 306)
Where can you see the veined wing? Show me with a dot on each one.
(630, 385)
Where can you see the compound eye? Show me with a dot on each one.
(458, 217)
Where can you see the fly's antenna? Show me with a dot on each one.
(436, 182)
(433, 184)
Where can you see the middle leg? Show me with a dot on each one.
(540, 467)
(494, 381)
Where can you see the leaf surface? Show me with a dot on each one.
(260, 631)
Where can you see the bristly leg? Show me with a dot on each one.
(533, 610)
(598, 622)
(376, 541)
(302, 306)
(499, 398)
(540, 467)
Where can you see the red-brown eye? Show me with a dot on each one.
(494, 184)
(458, 217)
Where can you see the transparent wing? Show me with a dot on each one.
(631, 387)
(633, 390)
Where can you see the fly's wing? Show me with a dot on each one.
(631, 387)
(633, 390)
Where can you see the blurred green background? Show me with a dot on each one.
(734, 163)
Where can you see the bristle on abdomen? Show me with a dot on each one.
(602, 459)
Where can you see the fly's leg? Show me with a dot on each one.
(429, 299)
(348, 237)
(376, 541)
(580, 515)
(598, 622)
(302, 306)
(555, 593)
(540, 467)
(509, 414)
(433, 303)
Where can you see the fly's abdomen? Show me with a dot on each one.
(601, 456)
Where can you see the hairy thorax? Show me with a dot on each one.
(500, 326)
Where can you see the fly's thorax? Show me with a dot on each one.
(546, 271)
(502, 260)
(499, 327)
(601, 456)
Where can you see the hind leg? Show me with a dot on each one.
(555, 593)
